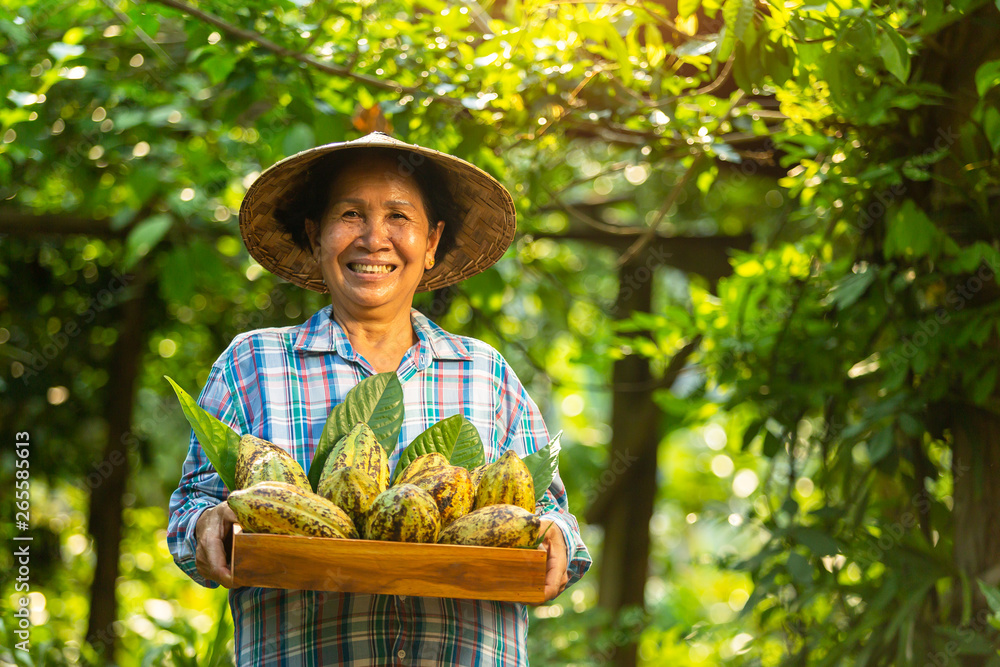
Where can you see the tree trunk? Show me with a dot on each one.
(976, 471)
(625, 513)
(108, 485)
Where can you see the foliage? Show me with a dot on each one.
(808, 478)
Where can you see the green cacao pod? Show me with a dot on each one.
(493, 526)
(360, 449)
(403, 513)
(279, 508)
(350, 489)
(258, 460)
(451, 489)
(419, 466)
(507, 481)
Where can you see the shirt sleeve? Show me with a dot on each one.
(527, 435)
(200, 486)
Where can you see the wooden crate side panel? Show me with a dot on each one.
(396, 568)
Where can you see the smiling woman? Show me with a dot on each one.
(370, 222)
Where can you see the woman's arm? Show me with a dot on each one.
(527, 434)
(199, 518)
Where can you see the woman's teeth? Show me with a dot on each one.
(371, 268)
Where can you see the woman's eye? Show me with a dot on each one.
(351, 214)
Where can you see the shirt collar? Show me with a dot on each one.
(321, 333)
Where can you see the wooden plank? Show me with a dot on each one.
(394, 568)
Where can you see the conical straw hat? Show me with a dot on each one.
(486, 211)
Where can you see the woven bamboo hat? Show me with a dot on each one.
(485, 209)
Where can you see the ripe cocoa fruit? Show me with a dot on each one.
(404, 513)
(493, 526)
(258, 460)
(420, 465)
(280, 508)
(507, 481)
(350, 489)
(477, 475)
(360, 449)
(451, 489)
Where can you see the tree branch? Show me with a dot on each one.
(17, 223)
(336, 70)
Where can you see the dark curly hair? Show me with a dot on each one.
(312, 198)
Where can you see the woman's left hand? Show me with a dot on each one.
(556, 576)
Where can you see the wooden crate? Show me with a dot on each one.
(395, 568)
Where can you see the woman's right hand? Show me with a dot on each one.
(214, 532)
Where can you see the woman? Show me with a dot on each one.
(372, 222)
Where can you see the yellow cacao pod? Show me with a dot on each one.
(493, 526)
(258, 460)
(360, 449)
(419, 465)
(477, 475)
(507, 481)
(404, 513)
(350, 489)
(451, 489)
(285, 509)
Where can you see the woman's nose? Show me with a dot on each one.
(375, 235)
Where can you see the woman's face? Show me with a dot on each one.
(374, 241)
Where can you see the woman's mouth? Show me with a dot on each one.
(370, 268)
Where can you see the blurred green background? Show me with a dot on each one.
(754, 282)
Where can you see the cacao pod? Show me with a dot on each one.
(477, 475)
(404, 513)
(493, 526)
(280, 508)
(360, 449)
(420, 465)
(451, 489)
(258, 460)
(350, 489)
(507, 481)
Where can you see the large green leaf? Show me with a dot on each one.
(219, 441)
(453, 437)
(377, 401)
(543, 465)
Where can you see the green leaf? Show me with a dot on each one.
(987, 77)
(377, 401)
(750, 433)
(219, 441)
(799, 568)
(894, 53)
(880, 445)
(851, 287)
(992, 594)
(737, 14)
(219, 65)
(982, 388)
(686, 8)
(543, 465)
(991, 127)
(911, 234)
(144, 237)
(818, 542)
(772, 444)
(453, 437)
(656, 52)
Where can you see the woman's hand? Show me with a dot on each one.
(213, 532)
(556, 576)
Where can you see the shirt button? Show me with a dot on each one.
(402, 598)
(401, 654)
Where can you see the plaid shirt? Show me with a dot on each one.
(280, 384)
